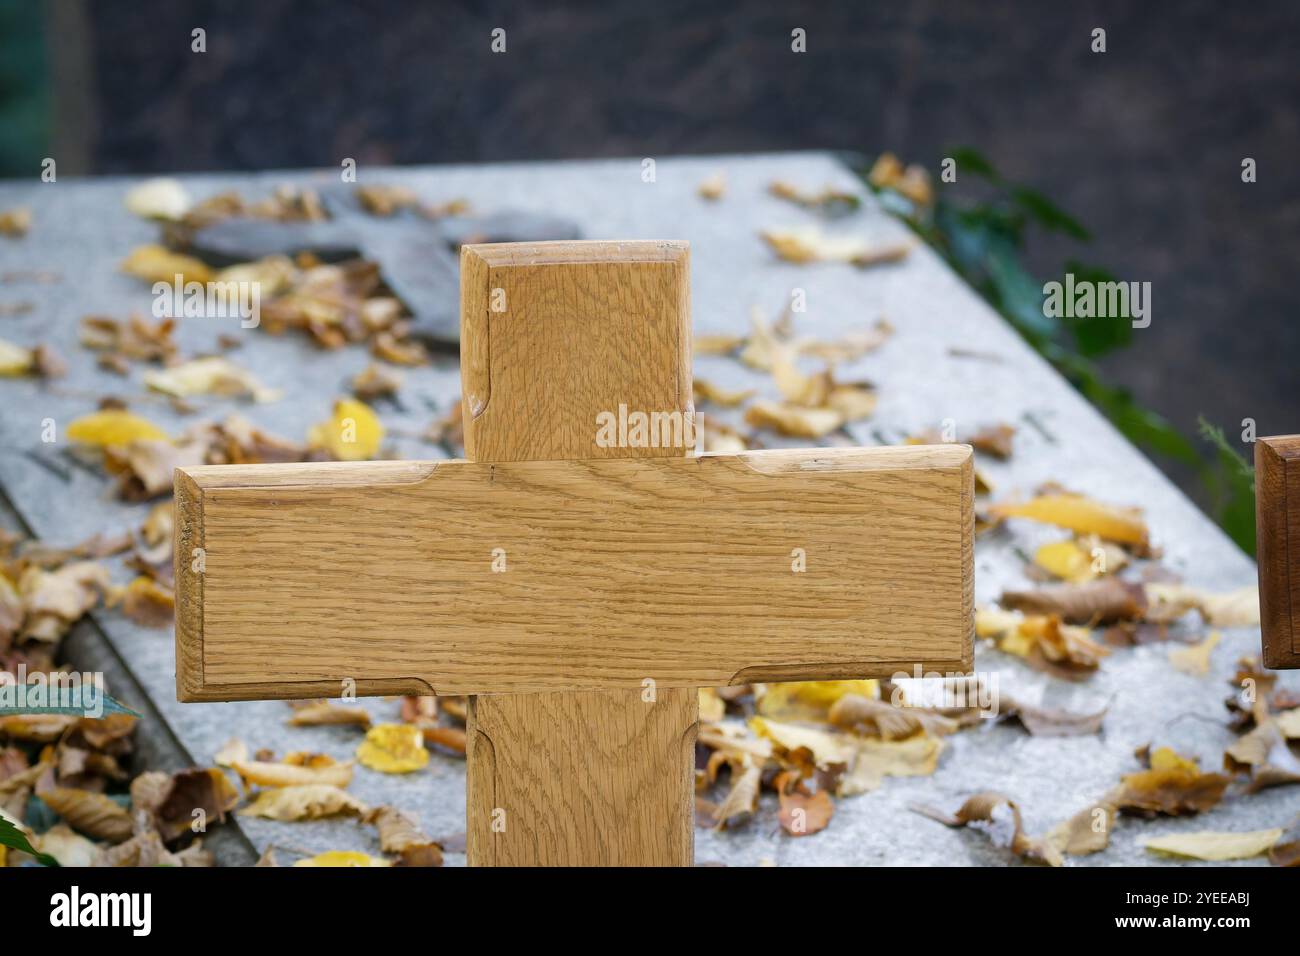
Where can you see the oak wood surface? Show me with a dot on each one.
(1277, 516)
(617, 570)
(586, 778)
(552, 334)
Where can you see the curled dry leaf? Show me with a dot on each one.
(1093, 602)
(375, 381)
(812, 245)
(93, 814)
(717, 344)
(1214, 846)
(393, 748)
(706, 391)
(309, 802)
(148, 603)
(913, 182)
(384, 200)
(1043, 642)
(1050, 722)
(794, 420)
(1286, 851)
(1085, 833)
(14, 223)
(161, 198)
(41, 361)
(998, 817)
(803, 812)
(719, 438)
(1173, 785)
(353, 433)
(397, 351)
(209, 376)
(232, 751)
(154, 263)
(880, 718)
(1265, 755)
(170, 800)
(827, 201)
(68, 847)
(742, 799)
(322, 713)
(1081, 515)
(297, 769)
(399, 834)
(134, 339)
(713, 188)
(1195, 660)
(1238, 608)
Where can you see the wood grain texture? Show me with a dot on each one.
(1277, 517)
(584, 777)
(582, 328)
(618, 570)
(596, 778)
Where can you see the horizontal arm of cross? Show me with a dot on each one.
(461, 577)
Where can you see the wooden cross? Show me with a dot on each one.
(579, 588)
(1277, 546)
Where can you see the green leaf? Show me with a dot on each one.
(15, 839)
(1097, 335)
(1047, 214)
(1233, 482)
(972, 161)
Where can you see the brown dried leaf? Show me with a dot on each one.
(1091, 603)
(803, 812)
(310, 802)
(998, 817)
(90, 813)
(322, 713)
(1173, 785)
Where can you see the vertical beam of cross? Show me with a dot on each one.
(553, 335)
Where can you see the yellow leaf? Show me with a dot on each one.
(810, 700)
(113, 427)
(393, 748)
(342, 858)
(161, 198)
(353, 433)
(1165, 758)
(717, 344)
(713, 188)
(209, 376)
(794, 420)
(1209, 845)
(307, 802)
(915, 756)
(812, 245)
(292, 774)
(1195, 660)
(853, 402)
(706, 391)
(712, 707)
(1081, 515)
(826, 747)
(154, 263)
(1065, 560)
(14, 359)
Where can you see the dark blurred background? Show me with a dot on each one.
(1143, 143)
